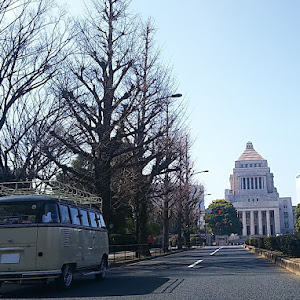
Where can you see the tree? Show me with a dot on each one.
(95, 96)
(31, 50)
(297, 218)
(223, 219)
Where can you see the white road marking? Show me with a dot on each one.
(195, 263)
(213, 253)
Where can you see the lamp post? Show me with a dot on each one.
(187, 207)
(208, 194)
(166, 198)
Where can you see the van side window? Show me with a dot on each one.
(64, 214)
(75, 216)
(84, 218)
(101, 222)
(93, 219)
(50, 213)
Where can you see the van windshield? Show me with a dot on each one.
(18, 213)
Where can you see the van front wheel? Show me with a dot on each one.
(66, 277)
(102, 269)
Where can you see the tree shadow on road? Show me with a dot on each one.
(84, 288)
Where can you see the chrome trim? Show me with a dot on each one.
(29, 275)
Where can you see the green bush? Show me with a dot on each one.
(271, 243)
(287, 244)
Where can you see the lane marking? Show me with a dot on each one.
(195, 263)
(213, 253)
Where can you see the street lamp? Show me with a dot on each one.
(204, 171)
(176, 96)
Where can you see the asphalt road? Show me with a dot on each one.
(230, 273)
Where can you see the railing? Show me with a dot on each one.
(51, 188)
(122, 253)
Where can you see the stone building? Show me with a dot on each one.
(255, 198)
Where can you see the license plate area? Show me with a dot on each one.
(10, 258)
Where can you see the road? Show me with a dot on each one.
(208, 273)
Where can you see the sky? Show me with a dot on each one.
(237, 65)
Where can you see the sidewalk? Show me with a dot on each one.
(122, 257)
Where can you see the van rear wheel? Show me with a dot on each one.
(66, 278)
(102, 269)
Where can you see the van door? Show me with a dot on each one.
(18, 236)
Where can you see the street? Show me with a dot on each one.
(228, 272)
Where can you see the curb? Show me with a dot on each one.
(287, 264)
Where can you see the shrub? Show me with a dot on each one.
(271, 243)
(287, 244)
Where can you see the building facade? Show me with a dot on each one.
(255, 198)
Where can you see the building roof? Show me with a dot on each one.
(250, 154)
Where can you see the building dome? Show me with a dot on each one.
(250, 154)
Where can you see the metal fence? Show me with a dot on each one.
(122, 253)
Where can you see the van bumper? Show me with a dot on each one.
(8, 276)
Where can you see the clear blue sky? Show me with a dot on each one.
(237, 65)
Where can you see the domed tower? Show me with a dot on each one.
(254, 196)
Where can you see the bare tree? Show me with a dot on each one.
(31, 49)
(95, 95)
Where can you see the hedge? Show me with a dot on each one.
(287, 244)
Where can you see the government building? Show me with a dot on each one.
(255, 198)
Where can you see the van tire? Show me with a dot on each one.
(102, 269)
(64, 281)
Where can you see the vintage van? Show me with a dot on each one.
(44, 237)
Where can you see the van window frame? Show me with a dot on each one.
(60, 213)
(93, 220)
(78, 216)
(84, 211)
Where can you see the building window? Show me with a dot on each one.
(252, 184)
(256, 230)
(286, 214)
(244, 183)
(255, 183)
(272, 229)
(248, 230)
(259, 182)
(248, 183)
(242, 165)
(286, 224)
(246, 165)
(250, 165)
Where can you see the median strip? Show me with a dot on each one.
(195, 263)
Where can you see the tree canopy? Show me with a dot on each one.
(223, 218)
(297, 218)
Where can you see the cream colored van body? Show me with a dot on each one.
(41, 249)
